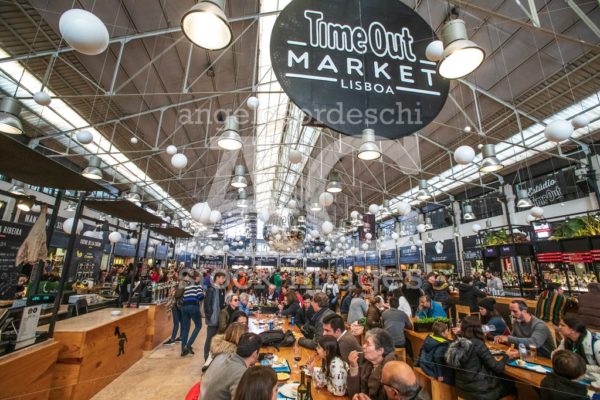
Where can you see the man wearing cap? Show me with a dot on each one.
(226, 370)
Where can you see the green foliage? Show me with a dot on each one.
(432, 320)
(588, 225)
(497, 238)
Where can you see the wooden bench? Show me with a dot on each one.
(437, 390)
(401, 354)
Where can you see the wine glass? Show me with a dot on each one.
(297, 356)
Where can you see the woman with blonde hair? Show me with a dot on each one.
(226, 342)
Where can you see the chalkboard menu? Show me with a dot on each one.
(86, 260)
(408, 255)
(388, 257)
(12, 237)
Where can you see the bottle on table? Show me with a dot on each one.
(302, 389)
(308, 390)
(523, 352)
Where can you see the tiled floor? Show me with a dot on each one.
(160, 374)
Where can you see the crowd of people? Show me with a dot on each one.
(457, 355)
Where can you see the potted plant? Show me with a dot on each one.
(425, 324)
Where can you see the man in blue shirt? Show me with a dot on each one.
(429, 308)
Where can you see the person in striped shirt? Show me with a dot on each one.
(190, 311)
(551, 304)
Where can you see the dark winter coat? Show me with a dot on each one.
(432, 358)
(469, 295)
(441, 293)
(479, 370)
(373, 317)
(556, 387)
(428, 289)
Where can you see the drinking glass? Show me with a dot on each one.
(297, 356)
(532, 352)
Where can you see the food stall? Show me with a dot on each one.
(440, 257)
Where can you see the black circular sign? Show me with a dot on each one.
(356, 64)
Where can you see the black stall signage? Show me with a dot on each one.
(410, 255)
(388, 257)
(356, 64)
(86, 259)
(266, 261)
(11, 237)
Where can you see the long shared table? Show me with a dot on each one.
(288, 354)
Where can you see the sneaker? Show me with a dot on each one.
(184, 353)
(189, 349)
(178, 339)
(169, 342)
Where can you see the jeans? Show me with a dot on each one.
(210, 332)
(176, 322)
(189, 312)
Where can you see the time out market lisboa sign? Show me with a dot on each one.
(356, 64)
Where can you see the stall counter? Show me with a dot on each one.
(159, 326)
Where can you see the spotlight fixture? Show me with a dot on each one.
(428, 225)
(334, 185)
(523, 199)
(206, 25)
(315, 206)
(93, 171)
(423, 193)
(468, 214)
(230, 138)
(25, 203)
(133, 195)
(368, 149)
(9, 116)
(461, 56)
(242, 199)
(18, 188)
(239, 180)
(490, 163)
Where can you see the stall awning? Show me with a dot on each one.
(21, 162)
(172, 231)
(125, 210)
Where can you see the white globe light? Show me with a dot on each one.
(215, 216)
(278, 236)
(413, 247)
(84, 137)
(404, 208)
(368, 235)
(580, 121)
(179, 161)
(365, 246)
(327, 249)
(373, 208)
(150, 250)
(476, 228)
(530, 218)
(327, 227)
(209, 250)
(114, 237)
(467, 129)
(225, 248)
(327, 243)
(274, 229)
(395, 236)
(68, 226)
(133, 241)
(434, 50)
(294, 156)
(134, 140)
(83, 31)
(264, 215)
(354, 214)
(419, 243)
(36, 208)
(464, 155)
(314, 233)
(292, 204)
(421, 228)
(326, 199)
(340, 245)
(558, 131)
(201, 212)
(253, 102)
(537, 212)
(42, 98)
(171, 150)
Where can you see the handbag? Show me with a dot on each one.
(277, 338)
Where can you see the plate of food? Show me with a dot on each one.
(283, 376)
(289, 390)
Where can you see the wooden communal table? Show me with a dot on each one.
(95, 349)
(288, 354)
(159, 326)
(27, 374)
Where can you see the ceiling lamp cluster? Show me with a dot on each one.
(368, 149)
(230, 138)
(206, 25)
(10, 123)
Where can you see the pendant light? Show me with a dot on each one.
(25, 203)
(461, 56)
(523, 199)
(334, 185)
(468, 214)
(242, 199)
(490, 163)
(239, 180)
(423, 193)
(133, 195)
(230, 138)
(315, 206)
(428, 224)
(9, 116)
(18, 188)
(368, 149)
(206, 25)
(93, 171)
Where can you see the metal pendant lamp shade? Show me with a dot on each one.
(315, 206)
(206, 25)
(230, 138)
(423, 193)
(490, 163)
(134, 194)
(334, 185)
(239, 180)
(93, 171)
(18, 188)
(461, 56)
(242, 199)
(523, 199)
(9, 116)
(468, 214)
(25, 203)
(368, 149)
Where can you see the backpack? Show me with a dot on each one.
(179, 297)
(277, 338)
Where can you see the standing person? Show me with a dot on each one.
(394, 322)
(469, 294)
(332, 291)
(374, 313)
(334, 370)
(479, 370)
(174, 304)
(333, 325)
(232, 302)
(578, 339)
(494, 284)
(190, 311)
(277, 280)
(428, 285)
(291, 306)
(358, 307)
(214, 301)
(258, 383)
(551, 304)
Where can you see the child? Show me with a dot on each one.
(334, 371)
(562, 383)
(431, 360)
